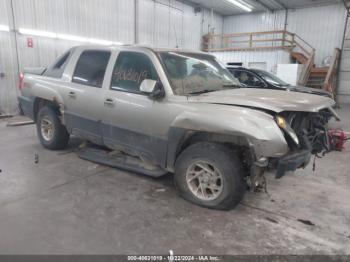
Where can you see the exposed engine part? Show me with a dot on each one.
(337, 139)
(313, 126)
(257, 181)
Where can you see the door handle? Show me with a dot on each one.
(109, 101)
(72, 94)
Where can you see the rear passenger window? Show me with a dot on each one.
(130, 70)
(91, 67)
(56, 70)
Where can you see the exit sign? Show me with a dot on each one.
(30, 43)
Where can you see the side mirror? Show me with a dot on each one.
(148, 86)
(153, 88)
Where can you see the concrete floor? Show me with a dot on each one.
(65, 205)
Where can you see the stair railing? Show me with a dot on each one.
(277, 39)
(331, 78)
(306, 72)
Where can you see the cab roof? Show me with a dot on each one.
(142, 47)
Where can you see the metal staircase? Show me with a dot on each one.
(300, 51)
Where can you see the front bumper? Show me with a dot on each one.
(293, 161)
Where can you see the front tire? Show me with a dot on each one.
(210, 175)
(52, 134)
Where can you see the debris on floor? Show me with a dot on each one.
(306, 222)
(36, 158)
(19, 121)
(271, 220)
(5, 116)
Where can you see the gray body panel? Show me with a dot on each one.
(154, 129)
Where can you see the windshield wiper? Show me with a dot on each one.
(230, 85)
(201, 92)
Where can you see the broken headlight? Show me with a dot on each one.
(282, 123)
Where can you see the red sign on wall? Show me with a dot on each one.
(30, 42)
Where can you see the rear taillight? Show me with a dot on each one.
(21, 81)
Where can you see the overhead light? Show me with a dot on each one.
(75, 38)
(102, 42)
(72, 38)
(33, 32)
(241, 4)
(4, 28)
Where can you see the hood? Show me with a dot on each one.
(309, 90)
(268, 99)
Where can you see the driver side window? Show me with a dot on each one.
(249, 79)
(130, 69)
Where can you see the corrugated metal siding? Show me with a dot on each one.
(161, 23)
(214, 22)
(254, 22)
(271, 58)
(108, 19)
(165, 24)
(322, 27)
(344, 74)
(8, 63)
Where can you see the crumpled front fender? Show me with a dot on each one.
(257, 127)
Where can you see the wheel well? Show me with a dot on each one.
(40, 103)
(238, 144)
(195, 137)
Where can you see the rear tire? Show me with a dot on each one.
(210, 175)
(52, 134)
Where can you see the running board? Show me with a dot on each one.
(120, 160)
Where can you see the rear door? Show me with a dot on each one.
(83, 96)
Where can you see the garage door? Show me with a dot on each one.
(344, 74)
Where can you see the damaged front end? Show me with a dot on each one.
(306, 134)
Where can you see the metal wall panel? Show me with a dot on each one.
(212, 21)
(160, 23)
(254, 22)
(8, 63)
(322, 27)
(344, 72)
(271, 58)
(108, 20)
(170, 23)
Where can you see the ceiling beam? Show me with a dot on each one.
(259, 2)
(281, 4)
(347, 4)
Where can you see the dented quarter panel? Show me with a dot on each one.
(43, 87)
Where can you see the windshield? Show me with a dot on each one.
(271, 78)
(191, 74)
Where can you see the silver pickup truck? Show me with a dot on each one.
(176, 111)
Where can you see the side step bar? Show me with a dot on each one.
(120, 160)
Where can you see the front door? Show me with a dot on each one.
(132, 121)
